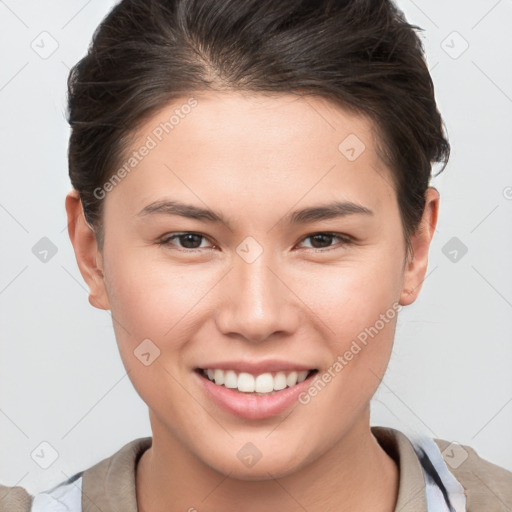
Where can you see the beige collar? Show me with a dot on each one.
(109, 485)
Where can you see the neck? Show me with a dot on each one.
(354, 475)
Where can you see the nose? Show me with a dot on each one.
(257, 302)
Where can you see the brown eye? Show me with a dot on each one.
(324, 240)
(187, 241)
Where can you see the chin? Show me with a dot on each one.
(262, 470)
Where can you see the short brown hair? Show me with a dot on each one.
(360, 54)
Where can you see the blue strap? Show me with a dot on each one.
(65, 497)
(444, 492)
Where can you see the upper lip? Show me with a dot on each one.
(257, 367)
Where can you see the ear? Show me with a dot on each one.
(88, 256)
(416, 265)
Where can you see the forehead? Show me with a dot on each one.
(282, 122)
(260, 146)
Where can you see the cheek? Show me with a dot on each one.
(359, 305)
(352, 296)
(156, 303)
(153, 299)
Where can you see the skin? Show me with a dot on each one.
(254, 159)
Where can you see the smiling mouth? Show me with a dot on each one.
(266, 384)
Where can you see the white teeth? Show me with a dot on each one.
(218, 375)
(247, 383)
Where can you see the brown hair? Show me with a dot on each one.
(359, 54)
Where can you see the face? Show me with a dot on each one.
(255, 281)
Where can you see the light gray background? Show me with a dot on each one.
(61, 378)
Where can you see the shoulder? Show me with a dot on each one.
(64, 497)
(14, 499)
(486, 486)
(111, 476)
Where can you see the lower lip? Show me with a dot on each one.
(253, 407)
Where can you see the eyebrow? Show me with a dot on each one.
(317, 213)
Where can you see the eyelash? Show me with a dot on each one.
(345, 240)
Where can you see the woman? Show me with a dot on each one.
(251, 201)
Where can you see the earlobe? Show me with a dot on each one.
(88, 256)
(416, 266)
